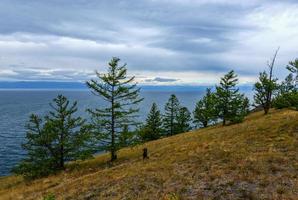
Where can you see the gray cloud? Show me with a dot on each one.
(68, 40)
(162, 80)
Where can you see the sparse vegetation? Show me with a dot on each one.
(253, 159)
(256, 159)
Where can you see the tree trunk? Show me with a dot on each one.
(62, 162)
(224, 122)
(113, 148)
(172, 120)
(266, 110)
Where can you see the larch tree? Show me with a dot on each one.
(127, 137)
(231, 106)
(205, 112)
(152, 129)
(293, 68)
(170, 116)
(288, 90)
(266, 87)
(121, 96)
(54, 140)
(183, 120)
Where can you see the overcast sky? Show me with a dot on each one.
(162, 41)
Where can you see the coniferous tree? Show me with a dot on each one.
(240, 108)
(205, 111)
(152, 130)
(127, 137)
(170, 117)
(266, 87)
(183, 120)
(288, 90)
(287, 86)
(122, 97)
(293, 68)
(231, 106)
(54, 140)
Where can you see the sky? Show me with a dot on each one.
(163, 42)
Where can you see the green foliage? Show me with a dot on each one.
(153, 127)
(288, 90)
(287, 85)
(49, 197)
(127, 137)
(121, 96)
(286, 100)
(205, 112)
(52, 141)
(266, 87)
(183, 120)
(170, 116)
(231, 106)
(293, 68)
(240, 108)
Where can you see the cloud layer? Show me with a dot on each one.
(163, 42)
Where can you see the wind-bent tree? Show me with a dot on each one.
(152, 130)
(205, 111)
(54, 140)
(122, 97)
(231, 106)
(265, 87)
(171, 112)
(183, 120)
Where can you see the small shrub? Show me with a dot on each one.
(49, 197)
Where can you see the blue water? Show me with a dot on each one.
(17, 105)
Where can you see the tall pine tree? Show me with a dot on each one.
(54, 140)
(122, 97)
(231, 106)
(205, 112)
(171, 112)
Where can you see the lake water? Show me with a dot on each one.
(17, 105)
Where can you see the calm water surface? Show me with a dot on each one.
(17, 105)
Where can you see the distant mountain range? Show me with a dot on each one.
(47, 85)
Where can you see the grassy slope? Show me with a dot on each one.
(257, 159)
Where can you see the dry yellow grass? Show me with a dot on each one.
(257, 159)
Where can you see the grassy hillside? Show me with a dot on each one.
(257, 159)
